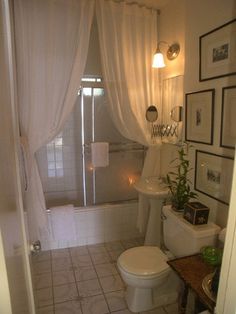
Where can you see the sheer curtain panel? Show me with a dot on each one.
(128, 38)
(52, 40)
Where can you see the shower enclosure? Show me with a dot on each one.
(65, 163)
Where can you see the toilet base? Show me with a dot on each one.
(139, 299)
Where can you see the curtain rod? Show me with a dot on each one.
(136, 3)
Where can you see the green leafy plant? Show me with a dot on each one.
(178, 183)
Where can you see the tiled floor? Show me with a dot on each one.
(83, 280)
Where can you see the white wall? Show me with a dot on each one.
(172, 29)
(201, 17)
(184, 21)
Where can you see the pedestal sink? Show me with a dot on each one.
(156, 191)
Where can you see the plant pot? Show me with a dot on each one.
(177, 209)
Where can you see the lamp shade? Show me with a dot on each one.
(158, 60)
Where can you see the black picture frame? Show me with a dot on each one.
(217, 52)
(213, 175)
(228, 114)
(199, 116)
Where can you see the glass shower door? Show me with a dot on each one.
(115, 182)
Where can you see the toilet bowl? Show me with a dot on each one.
(149, 279)
(143, 267)
(145, 271)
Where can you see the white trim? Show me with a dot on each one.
(5, 304)
(13, 94)
(226, 299)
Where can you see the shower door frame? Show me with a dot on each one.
(94, 83)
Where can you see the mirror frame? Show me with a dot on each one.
(150, 114)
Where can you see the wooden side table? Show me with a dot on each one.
(192, 270)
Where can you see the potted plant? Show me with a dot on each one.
(178, 183)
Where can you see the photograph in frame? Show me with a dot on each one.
(228, 117)
(199, 116)
(213, 175)
(217, 52)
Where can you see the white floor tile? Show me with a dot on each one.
(42, 281)
(82, 260)
(94, 305)
(79, 250)
(65, 293)
(89, 288)
(99, 248)
(114, 246)
(61, 264)
(116, 301)
(70, 307)
(85, 273)
(42, 267)
(125, 311)
(63, 277)
(106, 269)
(111, 283)
(159, 310)
(60, 253)
(45, 310)
(41, 256)
(100, 258)
(43, 297)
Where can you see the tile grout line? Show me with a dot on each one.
(99, 280)
(111, 261)
(53, 303)
(73, 269)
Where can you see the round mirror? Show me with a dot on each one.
(151, 114)
(176, 113)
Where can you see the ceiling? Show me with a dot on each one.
(157, 4)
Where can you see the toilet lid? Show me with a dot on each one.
(143, 260)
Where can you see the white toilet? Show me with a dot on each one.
(149, 279)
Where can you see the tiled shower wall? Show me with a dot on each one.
(99, 224)
(60, 165)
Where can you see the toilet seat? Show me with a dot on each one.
(144, 261)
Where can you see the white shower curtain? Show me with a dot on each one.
(52, 40)
(128, 38)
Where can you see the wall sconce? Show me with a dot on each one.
(172, 53)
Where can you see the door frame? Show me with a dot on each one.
(226, 298)
(7, 6)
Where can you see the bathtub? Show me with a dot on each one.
(98, 224)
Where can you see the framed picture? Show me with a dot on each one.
(228, 114)
(199, 116)
(213, 175)
(217, 50)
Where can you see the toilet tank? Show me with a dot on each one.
(183, 238)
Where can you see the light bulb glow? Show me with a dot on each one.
(131, 180)
(158, 60)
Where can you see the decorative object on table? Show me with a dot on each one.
(212, 255)
(228, 114)
(218, 52)
(196, 213)
(178, 183)
(199, 118)
(213, 175)
(207, 286)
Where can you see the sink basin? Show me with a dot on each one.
(152, 187)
